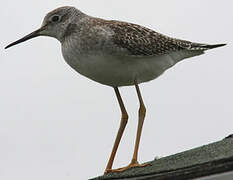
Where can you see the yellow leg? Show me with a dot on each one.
(124, 120)
(141, 117)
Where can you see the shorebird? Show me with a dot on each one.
(116, 54)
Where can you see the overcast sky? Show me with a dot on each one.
(57, 124)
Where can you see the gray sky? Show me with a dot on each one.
(57, 124)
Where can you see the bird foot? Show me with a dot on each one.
(131, 165)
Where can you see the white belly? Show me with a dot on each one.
(119, 71)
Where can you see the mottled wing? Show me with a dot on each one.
(141, 41)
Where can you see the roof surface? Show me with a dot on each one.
(203, 161)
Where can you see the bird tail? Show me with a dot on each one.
(195, 49)
(203, 47)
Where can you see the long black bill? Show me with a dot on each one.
(27, 37)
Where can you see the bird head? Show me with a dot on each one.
(55, 24)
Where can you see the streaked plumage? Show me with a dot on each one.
(115, 53)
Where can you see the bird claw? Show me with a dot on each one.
(131, 165)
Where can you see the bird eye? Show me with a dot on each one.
(55, 18)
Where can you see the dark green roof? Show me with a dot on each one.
(199, 162)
